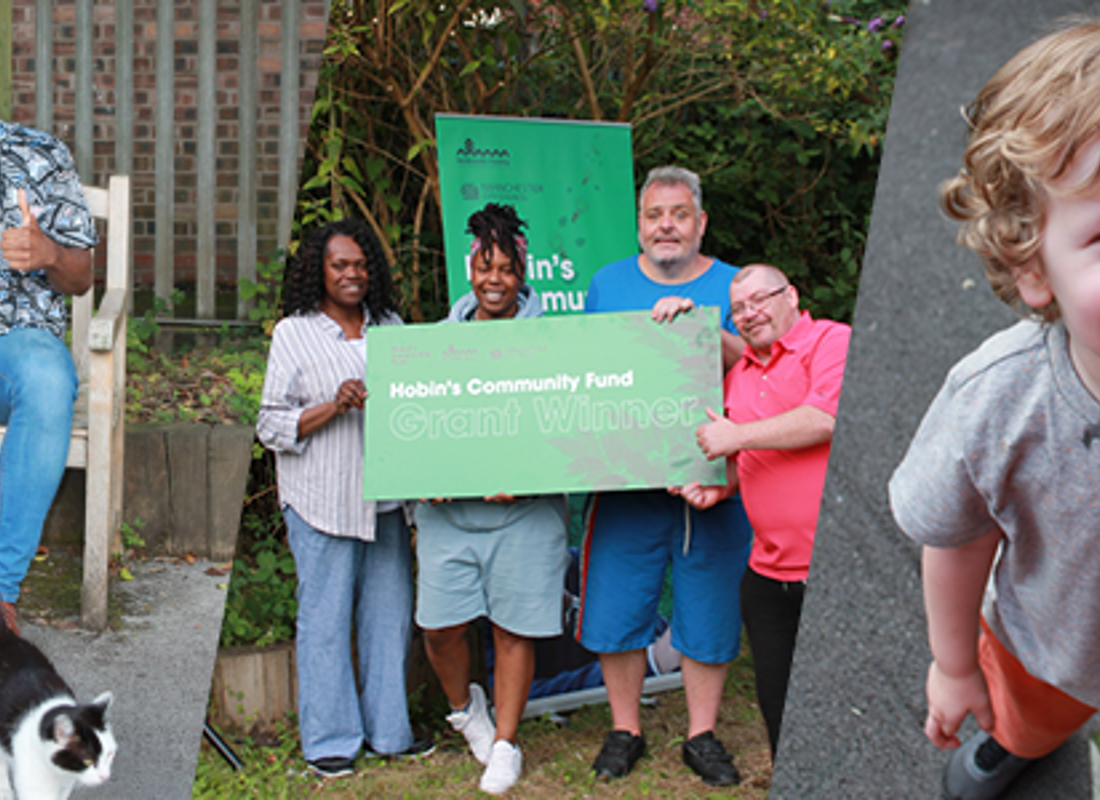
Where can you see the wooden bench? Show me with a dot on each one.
(99, 350)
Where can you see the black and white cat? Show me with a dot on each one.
(49, 743)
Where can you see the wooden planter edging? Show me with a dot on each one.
(184, 481)
(253, 687)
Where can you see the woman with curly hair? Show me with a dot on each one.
(501, 557)
(352, 555)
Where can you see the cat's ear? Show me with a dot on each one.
(104, 701)
(63, 729)
(98, 709)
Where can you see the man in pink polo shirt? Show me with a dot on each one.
(781, 398)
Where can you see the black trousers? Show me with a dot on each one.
(771, 610)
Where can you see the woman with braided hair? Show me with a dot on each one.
(352, 555)
(501, 557)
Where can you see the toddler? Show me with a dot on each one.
(1003, 475)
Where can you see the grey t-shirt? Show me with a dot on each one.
(1012, 441)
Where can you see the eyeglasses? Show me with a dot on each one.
(755, 303)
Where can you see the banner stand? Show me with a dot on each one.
(572, 181)
(570, 701)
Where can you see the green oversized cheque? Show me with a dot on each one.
(601, 401)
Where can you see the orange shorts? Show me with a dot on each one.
(1031, 717)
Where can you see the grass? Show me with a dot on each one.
(557, 759)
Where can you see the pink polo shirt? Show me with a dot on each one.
(781, 489)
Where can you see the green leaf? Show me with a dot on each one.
(349, 164)
(374, 167)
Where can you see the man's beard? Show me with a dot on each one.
(675, 265)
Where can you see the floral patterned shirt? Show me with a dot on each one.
(40, 164)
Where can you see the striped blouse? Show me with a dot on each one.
(320, 476)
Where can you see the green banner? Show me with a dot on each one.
(571, 181)
(531, 406)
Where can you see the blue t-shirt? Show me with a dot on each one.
(622, 286)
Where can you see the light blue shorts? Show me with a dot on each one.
(502, 561)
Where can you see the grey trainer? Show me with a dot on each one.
(981, 769)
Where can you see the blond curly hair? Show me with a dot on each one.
(1027, 125)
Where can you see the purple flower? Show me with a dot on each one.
(763, 14)
(650, 6)
(887, 46)
(875, 24)
(899, 21)
(852, 20)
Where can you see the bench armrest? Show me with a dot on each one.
(108, 321)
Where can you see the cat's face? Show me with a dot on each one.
(85, 746)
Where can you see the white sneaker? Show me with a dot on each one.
(505, 765)
(475, 724)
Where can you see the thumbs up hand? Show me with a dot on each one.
(27, 248)
(25, 210)
(718, 437)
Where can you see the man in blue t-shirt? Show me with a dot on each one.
(632, 537)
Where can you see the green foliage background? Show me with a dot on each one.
(780, 105)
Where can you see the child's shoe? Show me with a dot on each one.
(474, 723)
(505, 765)
(981, 769)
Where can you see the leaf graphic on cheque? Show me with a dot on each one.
(650, 442)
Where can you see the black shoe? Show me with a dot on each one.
(620, 752)
(710, 761)
(421, 748)
(332, 767)
(981, 769)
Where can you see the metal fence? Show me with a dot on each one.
(204, 102)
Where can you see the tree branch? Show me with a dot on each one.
(439, 45)
(585, 72)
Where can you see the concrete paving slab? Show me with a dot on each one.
(855, 710)
(158, 666)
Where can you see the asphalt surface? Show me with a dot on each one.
(855, 710)
(158, 665)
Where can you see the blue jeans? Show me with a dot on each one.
(341, 580)
(37, 388)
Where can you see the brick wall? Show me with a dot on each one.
(312, 32)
